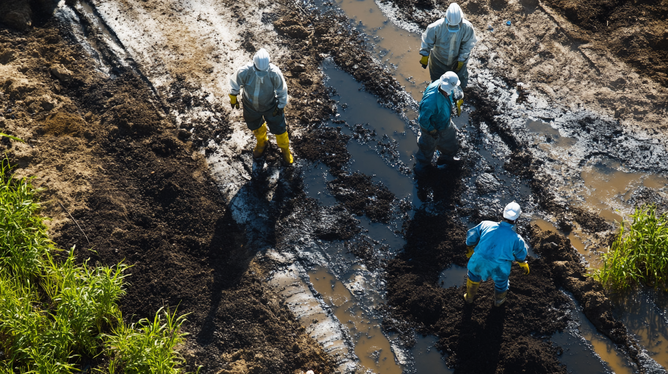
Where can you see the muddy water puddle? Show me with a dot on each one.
(646, 317)
(371, 347)
(585, 350)
(453, 276)
(428, 360)
(610, 188)
(398, 49)
(607, 186)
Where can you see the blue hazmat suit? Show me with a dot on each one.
(446, 48)
(263, 92)
(435, 112)
(497, 246)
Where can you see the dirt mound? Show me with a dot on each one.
(569, 273)
(636, 31)
(22, 14)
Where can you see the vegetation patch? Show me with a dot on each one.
(55, 314)
(639, 254)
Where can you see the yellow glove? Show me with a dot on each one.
(233, 101)
(459, 107)
(469, 251)
(424, 61)
(524, 265)
(460, 65)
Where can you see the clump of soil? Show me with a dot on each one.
(360, 195)
(326, 145)
(569, 272)
(589, 221)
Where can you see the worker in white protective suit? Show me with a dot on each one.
(447, 44)
(265, 95)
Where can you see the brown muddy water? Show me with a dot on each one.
(371, 346)
(606, 189)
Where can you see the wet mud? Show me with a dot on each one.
(132, 164)
(142, 194)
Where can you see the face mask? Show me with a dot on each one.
(453, 28)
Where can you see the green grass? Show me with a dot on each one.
(10, 137)
(147, 346)
(54, 312)
(639, 254)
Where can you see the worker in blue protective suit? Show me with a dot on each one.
(497, 245)
(447, 44)
(265, 95)
(437, 131)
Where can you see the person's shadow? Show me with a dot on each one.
(480, 339)
(247, 227)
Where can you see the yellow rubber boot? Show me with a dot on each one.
(283, 143)
(500, 297)
(261, 136)
(471, 290)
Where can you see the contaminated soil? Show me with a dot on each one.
(124, 178)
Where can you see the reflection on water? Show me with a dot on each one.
(582, 344)
(646, 317)
(453, 276)
(371, 346)
(428, 359)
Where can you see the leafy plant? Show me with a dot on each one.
(639, 254)
(147, 346)
(53, 312)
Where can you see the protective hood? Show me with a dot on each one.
(261, 60)
(453, 17)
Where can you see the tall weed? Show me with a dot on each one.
(639, 254)
(147, 346)
(54, 312)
